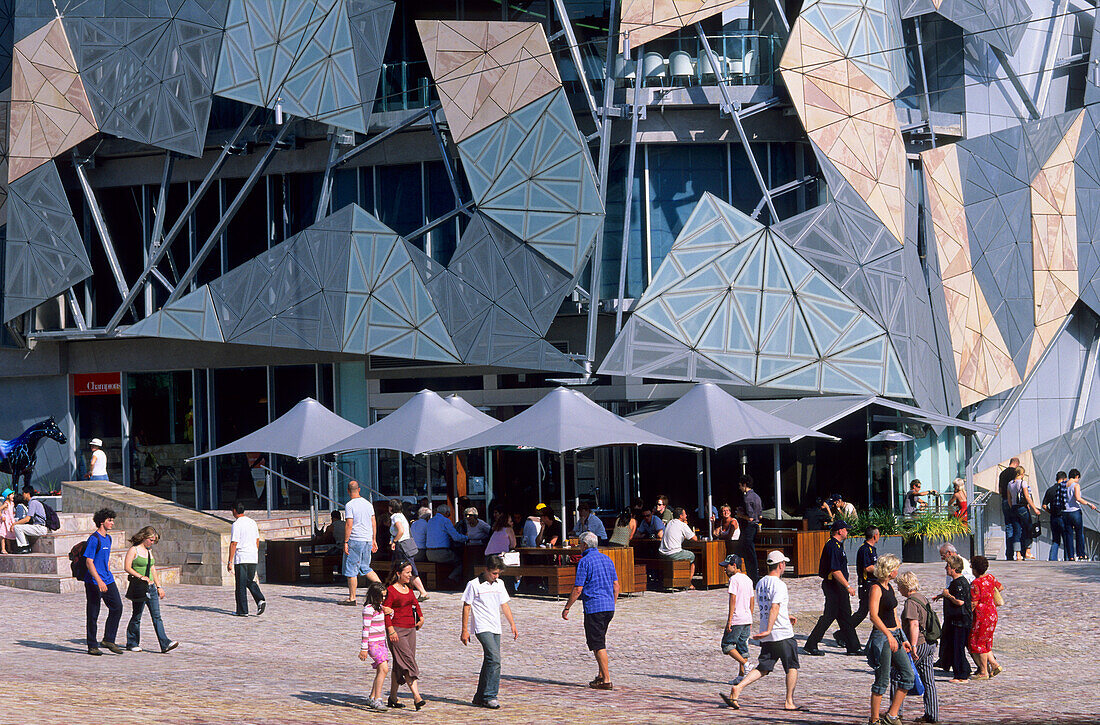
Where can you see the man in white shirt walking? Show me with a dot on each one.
(244, 555)
(776, 635)
(360, 541)
(676, 533)
(485, 598)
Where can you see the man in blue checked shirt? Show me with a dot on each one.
(597, 585)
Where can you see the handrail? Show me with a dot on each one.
(312, 493)
(335, 467)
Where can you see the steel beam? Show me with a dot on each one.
(351, 153)
(1050, 53)
(158, 228)
(734, 112)
(575, 54)
(101, 228)
(74, 307)
(326, 180)
(605, 153)
(193, 202)
(631, 159)
(463, 209)
(926, 107)
(1017, 84)
(234, 206)
(446, 158)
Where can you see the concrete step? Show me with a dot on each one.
(283, 523)
(65, 584)
(75, 523)
(62, 543)
(48, 563)
(284, 533)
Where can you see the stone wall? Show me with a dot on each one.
(196, 542)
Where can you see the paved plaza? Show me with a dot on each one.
(298, 663)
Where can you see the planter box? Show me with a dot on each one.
(885, 545)
(923, 551)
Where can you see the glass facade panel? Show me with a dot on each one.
(247, 234)
(206, 219)
(162, 434)
(240, 407)
(678, 177)
(401, 204)
(613, 227)
(302, 194)
(441, 199)
(291, 384)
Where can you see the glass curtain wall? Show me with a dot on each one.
(162, 434)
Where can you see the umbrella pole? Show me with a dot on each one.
(561, 478)
(710, 501)
(778, 483)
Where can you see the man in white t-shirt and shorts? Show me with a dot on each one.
(776, 635)
(359, 540)
(244, 555)
(676, 533)
(735, 638)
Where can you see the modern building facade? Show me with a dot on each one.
(214, 209)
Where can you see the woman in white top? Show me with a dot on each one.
(403, 546)
(504, 537)
(97, 469)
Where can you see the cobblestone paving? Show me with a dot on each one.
(298, 663)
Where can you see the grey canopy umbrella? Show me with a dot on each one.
(298, 433)
(709, 417)
(425, 423)
(565, 420)
(464, 405)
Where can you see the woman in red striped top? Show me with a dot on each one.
(401, 627)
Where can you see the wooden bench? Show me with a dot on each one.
(322, 566)
(559, 579)
(640, 578)
(435, 576)
(674, 574)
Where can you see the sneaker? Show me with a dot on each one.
(261, 606)
(377, 705)
(240, 614)
(171, 646)
(95, 651)
(111, 646)
(135, 648)
(491, 704)
(889, 719)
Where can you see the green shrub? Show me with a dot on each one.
(935, 526)
(886, 521)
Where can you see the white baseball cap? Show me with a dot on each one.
(774, 557)
(96, 442)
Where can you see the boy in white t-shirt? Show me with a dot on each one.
(776, 635)
(485, 598)
(735, 638)
(244, 549)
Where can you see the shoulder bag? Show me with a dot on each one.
(998, 598)
(136, 587)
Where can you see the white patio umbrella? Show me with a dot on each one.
(464, 405)
(564, 420)
(709, 417)
(424, 424)
(298, 434)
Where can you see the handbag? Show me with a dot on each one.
(998, 598)
(136, 588)
(1036, 529)
(511, 558)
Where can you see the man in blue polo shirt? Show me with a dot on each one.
(597, 585)
(99, 584)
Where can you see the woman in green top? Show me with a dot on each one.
(141, 566)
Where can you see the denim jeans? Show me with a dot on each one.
(1017, 529)
(488, 684)
(245, 580)
(1056, 531)
(1073, 536)
(886, 662)
(114, 612)
(133, 629)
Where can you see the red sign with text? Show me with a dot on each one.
(97, 384)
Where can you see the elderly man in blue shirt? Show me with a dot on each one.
(597, 585)
(442, 538)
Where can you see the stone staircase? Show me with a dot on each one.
(47, 569)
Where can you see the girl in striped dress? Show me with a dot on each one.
(374, 647)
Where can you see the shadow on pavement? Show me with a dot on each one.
(197, 608)
(699, 680)
(53, 646)
(341, 699)
(322, 600)
(543, 681)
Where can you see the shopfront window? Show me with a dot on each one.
(239, 407)
(99, 416)
(162, 434)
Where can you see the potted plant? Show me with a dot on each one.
(924, 533)
(889, 528)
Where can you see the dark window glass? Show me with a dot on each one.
(162, 434)
(345, 188)
(240, 407)
(441, 199)
(678, 177)
(206, 220)
(247, 235)
(613, 227)
(401, 203)
(303, 191)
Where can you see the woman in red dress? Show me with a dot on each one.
(958, 499)
(985, 619)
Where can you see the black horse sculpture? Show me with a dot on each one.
(18, 457)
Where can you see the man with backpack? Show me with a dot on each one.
(1054, 502)
(36, 523)
(99, 584)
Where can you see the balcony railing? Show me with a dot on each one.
(405, 85)
(744, 59)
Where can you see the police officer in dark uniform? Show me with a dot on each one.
(833, 570)
(865, 565)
